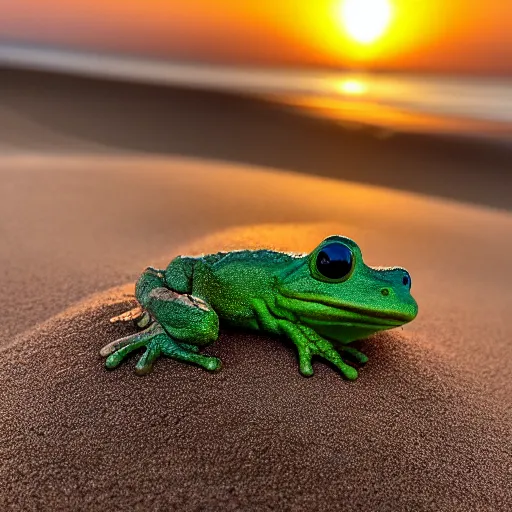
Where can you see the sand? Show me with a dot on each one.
(426, 427)
(428, 424)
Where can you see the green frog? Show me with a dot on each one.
(321, 301)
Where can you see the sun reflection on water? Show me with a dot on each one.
(353, 87)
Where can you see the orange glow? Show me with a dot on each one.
(391, 119)
(432, 35)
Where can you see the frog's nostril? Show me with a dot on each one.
(385, 292)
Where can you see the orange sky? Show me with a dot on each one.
(432, 35)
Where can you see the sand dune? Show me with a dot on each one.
(411, 433)
(420, 429)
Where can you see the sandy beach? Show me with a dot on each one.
(98, 182)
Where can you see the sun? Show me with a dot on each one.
(365, 20)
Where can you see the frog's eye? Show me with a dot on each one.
(334, 261)
(406, 280)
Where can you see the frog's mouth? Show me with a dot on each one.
(328, 310)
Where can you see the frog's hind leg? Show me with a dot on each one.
(179, 323)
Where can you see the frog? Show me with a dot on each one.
(321, 301)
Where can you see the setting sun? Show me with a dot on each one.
(365, 20)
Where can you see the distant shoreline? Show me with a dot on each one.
(475, 107)
(7, 44)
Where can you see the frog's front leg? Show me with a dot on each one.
(181, 323)
(310, 344)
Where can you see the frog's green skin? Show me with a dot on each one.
(278, 293)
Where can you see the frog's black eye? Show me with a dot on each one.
(334, 261)
(406, 280)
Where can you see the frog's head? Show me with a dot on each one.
(333, 291)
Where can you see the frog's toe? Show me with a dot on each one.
(356, 354)
(349, 372)
(145, 363)
(334, 358)
(115, 359)
(307, 372)
(127, 316)
(136, 340)
(212, 364)
(116, 345)
(306, 367)
(178, 352)
(119, 349)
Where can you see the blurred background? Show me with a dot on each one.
(410, 94)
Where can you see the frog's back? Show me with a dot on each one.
(238, 278)
(259, 257)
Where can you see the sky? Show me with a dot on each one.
(454, 36)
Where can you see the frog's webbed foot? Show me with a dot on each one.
(309, 344)
(157, 342)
